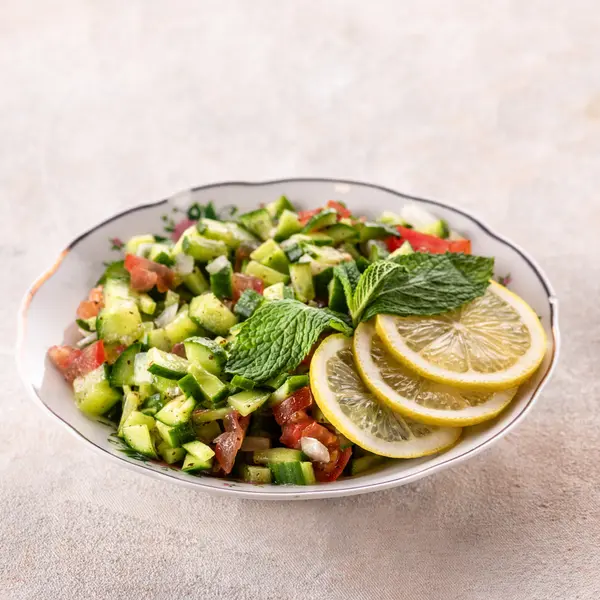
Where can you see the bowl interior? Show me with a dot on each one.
(47, 319)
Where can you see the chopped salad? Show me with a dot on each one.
(198, 347)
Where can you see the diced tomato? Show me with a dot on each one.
(242, 254)
(179, 349)
(73, 362)
(246, 282)
(292, 433)
(227, 445)
(304, 216)
(92, 306)
(317, 431)
(333, 469)
(422, 242)
(180, 228)
(145, 274)
(298, 401)
(342, 211)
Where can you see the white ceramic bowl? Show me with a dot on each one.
(46, 318)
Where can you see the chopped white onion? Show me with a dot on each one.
(86, 341)
(254, 443)
(166, 316)
(173, 391)
(184, 264)
(314, 449)
(84, 332)
(216, 265)
(143, 249)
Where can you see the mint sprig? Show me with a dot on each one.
(277, 337)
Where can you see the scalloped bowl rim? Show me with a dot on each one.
(297, 492)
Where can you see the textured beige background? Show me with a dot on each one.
(491, 105)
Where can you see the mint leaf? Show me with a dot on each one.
(369, 285)
(348, 275)
(427, 284)
(277, 337)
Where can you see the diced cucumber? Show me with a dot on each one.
(175, 436)
(390, 218)
(243, 383)
(216, 230)
(167, 365)
(199, 450)
(424, 221)
(192, 464)
(196, 282)
(318, 238)
(254, 474)
(206, 353)
(277, 207)
(131, 403)
(122, 372)
(214, 414)
(204, 385)
(242, 236)
(202, 248)
(138, 438)
(116, 290)
(146, 304)
(340, 232)
(167, 387)
(292, 473)
(120, 322)
(293, 250)
(177, 411)
(161, 253)
(277, 381)
(93, 394)
(182, 327)
(366, 463)
(321, 282)
(406, 248)
(292, 384)
(221, 277)
(258, 222)
(171, 298)
(376, 250)
(248, 302)
(136, 417)
(278, 291)
(207, 432)
(141, 375)
(273, 455)
(152, 404)
(158, 338)
(266, 274)
(170, 455)
(302, 281)
(88, 325)
(209, 312)
(288, 225)
(322, 219)
(371, 231)
(131, 247)
(248, 401)
(271, 255)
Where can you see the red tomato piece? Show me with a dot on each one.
(246, 282)
(284, 411)
(333, 469)
(242, 254)
(292, 433)
(145, 274)
(73, 362)
(180, 228)
(422, 242)
(342, 211)
(92, 306)
(227, 445)
(304, 216)
(317, 431)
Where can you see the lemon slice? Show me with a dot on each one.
(360, 416)
(407, 392)
(494, 342)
